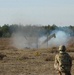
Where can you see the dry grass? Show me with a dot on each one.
(50, 58)
(70, 49)
(2, 56)
(28, 61)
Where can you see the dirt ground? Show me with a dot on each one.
(28, 61)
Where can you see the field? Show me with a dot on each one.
(29, 61)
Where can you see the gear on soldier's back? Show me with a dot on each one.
(64, 62)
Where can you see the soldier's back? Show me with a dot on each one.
(64, 60)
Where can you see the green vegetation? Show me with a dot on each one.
(7, 30)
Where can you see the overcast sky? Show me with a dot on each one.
(38, 12)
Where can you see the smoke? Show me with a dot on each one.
(19, 41)
(62, 38)
(41, 40)
(27, 38)
(33, 37)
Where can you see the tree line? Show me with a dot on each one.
(7, 30)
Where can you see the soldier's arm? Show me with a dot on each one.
(70, 61)
(56, 62)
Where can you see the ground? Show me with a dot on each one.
(28, 61)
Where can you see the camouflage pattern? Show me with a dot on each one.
(63, 61)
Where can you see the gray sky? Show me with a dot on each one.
(38, 12)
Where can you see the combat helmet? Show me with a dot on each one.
(62, 48)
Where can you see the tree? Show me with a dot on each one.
(5, 31)
(5, 28)
(1, 33)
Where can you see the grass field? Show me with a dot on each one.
(29, 61)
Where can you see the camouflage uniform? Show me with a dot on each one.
(63, 62)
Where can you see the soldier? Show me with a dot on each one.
(63, 62)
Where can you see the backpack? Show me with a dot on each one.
(64, 62)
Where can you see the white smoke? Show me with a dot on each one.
(27, 37)
(41, 39)
(61, 39)
(21, 41)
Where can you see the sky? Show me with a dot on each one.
(37, 12)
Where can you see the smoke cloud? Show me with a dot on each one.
(27, 38)
(19, 41)
(33, 38)
(61, 39)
